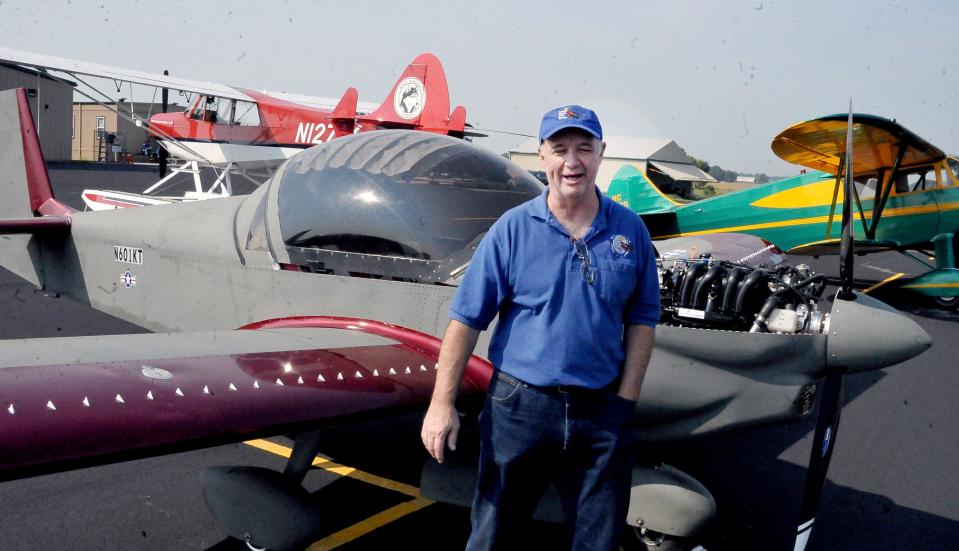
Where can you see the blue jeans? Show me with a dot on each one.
(530, 436)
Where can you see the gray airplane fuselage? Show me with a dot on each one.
(195, 276)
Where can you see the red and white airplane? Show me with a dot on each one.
(251, 126)
(240, 131)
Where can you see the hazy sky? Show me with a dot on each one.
(722, 78)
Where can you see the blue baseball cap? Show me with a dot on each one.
(570, 116)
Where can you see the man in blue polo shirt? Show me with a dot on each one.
(572, 276)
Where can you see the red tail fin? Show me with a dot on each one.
(38, 181)
(419, 99)
(344, 114)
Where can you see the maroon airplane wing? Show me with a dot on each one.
(64, 403)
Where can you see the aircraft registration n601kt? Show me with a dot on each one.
(339, 272)
(906, 197)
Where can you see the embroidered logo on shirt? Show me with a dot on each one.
(620, 244)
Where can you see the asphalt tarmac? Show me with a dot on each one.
(892, 483)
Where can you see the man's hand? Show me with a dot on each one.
(440, 426)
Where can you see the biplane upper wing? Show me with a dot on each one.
(79, 401)
(820, 144)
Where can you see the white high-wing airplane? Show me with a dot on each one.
(249, 133)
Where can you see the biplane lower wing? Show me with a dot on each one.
(80, 401)
(831, 246)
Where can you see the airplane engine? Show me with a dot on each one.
(720, 294)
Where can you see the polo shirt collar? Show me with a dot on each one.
(538, 209)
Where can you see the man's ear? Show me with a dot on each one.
(602, 148)
(542, 156)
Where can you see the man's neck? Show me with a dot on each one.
(575, 214)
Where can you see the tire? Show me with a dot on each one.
(948, 303)
(634, 541)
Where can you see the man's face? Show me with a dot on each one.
(571, 160)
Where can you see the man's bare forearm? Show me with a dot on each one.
(458, 345)
(441, 425)
(639, 346)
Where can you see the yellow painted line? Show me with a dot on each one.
(341, 470)
(369, 524)
(885, 281)
(372, 523)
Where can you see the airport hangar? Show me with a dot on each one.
(665, 163)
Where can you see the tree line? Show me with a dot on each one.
(724, 175)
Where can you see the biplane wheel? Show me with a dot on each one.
(634, 539)
(252, 547)
(946, 302)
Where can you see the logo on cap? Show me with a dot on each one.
(567, 113)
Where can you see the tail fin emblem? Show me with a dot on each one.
(409, 98)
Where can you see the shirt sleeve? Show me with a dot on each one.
(643, 306)
(485, 285)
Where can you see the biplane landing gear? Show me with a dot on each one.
(948, 303)
(637, 538)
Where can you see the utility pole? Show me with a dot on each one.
(162, 157)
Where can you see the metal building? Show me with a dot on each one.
(50, 102)
(663, 161)
(94, 124)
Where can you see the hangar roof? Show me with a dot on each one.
(626, 147)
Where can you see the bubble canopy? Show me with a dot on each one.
(395, 203)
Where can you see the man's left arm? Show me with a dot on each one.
(639, 346)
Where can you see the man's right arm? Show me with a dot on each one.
(441, 424)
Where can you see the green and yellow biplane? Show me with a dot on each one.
(906, 199)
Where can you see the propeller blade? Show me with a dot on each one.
(846, 244)
(830, 404)
(827, 424)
